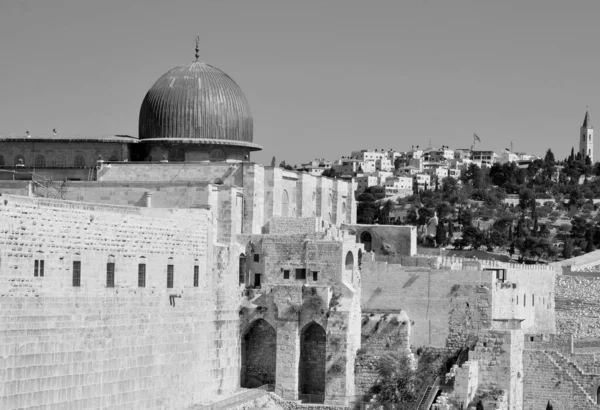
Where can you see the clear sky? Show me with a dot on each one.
(322, 77)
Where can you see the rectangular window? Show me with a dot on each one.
(196, 275)
(110, 275)
(170, 274)
(256, 257)
(532, 300)
(76, 273)
(257, 280)
(315, 275)
(300, 273)
(286, 274)
(141, 275)
(38, 267)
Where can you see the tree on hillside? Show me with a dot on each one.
(479, 405)
(568, 249)
(397, 380)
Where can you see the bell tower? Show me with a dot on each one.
(586, 138)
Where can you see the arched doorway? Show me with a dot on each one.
(598, 396)
(285, 203)
(313, 351)
(259, 355)
(366, 240)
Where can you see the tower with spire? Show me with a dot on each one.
(586, 138)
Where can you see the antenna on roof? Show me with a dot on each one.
(197, 47)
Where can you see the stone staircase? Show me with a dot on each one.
(574, 373)
(429, 396)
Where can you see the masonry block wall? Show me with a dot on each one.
(577, 309)
(443, 305)
(388, 243)
(306, 286)
(126, 346)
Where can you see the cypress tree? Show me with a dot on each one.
(440, 234)
(479, 405)
(549, 406)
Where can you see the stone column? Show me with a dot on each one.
(148, 199)
(288, 358)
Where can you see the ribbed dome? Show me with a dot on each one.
(196, 101)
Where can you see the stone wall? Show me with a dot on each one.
(577, 306)
(388, 243)
(113, 347)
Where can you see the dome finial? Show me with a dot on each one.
(197, 47)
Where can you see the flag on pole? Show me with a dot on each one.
(476, 138)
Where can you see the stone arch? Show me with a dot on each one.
(114, 157)
(19, 160)
(40, 161)
(259, 355)
(311, 371)
(367, 240)
(79, 161)
(242, 269)
(217, 154)
(349, 261)
(285, 203)
(60, 162)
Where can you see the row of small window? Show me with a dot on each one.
(58, 162)
(38, 271)
(301, 274)
(532, 300)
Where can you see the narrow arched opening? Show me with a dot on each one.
(366, 240)
(242, 269)
(349, 261)
(313, 352)
(259, 355)
(598, 396)
(285, 203)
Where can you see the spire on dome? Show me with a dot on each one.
(197, 48)
(587, 122)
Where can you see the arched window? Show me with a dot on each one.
(366, 240)
(217, 154)
(79, 161)
(242, 269)
(285, 203)
(40, 161)
(142, 272)
(19, 160)
(60, 162)
(110, 272)
(349, 261)
(2, 161)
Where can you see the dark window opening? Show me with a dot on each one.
(500, 274)
(76, 273)
(256, 257)
(315, 275)
(257, 280)
(532, 300)
(300, 273)
(286, 274)
(196, 275)
(531, 338)
(524, 300)
(110, 275)
(142, 275)
(242, 269)
(170, 274)
(38, 267)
